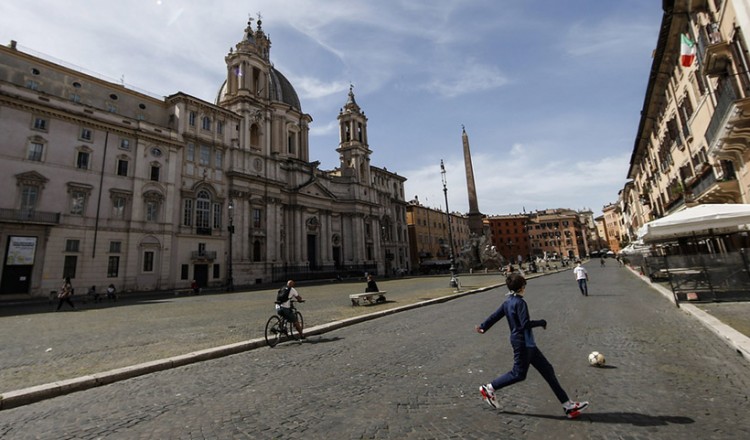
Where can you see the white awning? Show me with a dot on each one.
(698, 220)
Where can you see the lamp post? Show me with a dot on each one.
(230, 278)
(454, 280)
(385, 251)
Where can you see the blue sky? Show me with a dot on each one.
(549, 91)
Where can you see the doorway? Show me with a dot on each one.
(200, 274)
(337, 257)
(312, 251)
(16, 279)
(18, 265)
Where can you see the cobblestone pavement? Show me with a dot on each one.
(42, 346)
(414, 375)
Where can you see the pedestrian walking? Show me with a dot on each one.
(66, 292)
(582, 277)
(525, 351)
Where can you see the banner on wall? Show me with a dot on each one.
(21, 251)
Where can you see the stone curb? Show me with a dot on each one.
(732, 337)
(25, 396)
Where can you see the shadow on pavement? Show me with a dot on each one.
(321, 340)
(625, 418)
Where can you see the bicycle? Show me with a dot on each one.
(277, 326)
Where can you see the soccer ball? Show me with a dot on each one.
(596, 359)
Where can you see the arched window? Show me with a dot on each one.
(203, 210)
(153, 202)
(291, 143)
(254, 136)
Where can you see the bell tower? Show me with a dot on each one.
(353, 149)
(248, 64)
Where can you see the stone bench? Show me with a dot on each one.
(367, 298)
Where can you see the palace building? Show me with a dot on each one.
(110, 185)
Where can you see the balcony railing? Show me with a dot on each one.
(726, 99)
(203, 255)
(703, 183)
(716, 51)
(29, 216)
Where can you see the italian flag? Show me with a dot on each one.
(687, 51)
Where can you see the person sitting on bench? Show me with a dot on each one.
(371, 285)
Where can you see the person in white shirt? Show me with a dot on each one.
(284, 303)
(582, 277)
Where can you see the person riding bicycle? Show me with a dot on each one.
(286, 295)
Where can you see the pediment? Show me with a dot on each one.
(315, 189)
(31, 177)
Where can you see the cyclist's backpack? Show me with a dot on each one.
(283, 295)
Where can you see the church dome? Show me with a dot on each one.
(256, 45)
(281, 90)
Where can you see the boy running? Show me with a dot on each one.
(525, 351)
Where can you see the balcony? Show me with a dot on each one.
(724, 106)
(203, 255)
(708, 189)
(29, 216)
(733, 136)
(718, 53)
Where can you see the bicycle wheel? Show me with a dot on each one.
(273, 331)
(293, 329)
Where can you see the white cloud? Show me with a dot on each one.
(313, 88)
(466, 77)
(510, 184)
(547, 131)
(329, 128)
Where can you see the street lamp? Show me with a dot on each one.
(385, 251)
(454, 280)
(230, 278)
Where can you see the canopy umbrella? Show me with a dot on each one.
(698, 220)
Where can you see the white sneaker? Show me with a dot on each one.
(488, 395)
(574, 409)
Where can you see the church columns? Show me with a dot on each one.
(239, 220)
(240, 74)
(325, 238)
(301, 235)
(359, 238)
(304, 141)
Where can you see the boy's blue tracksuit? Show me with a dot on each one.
(525, 351)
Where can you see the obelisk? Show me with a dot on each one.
(476, 224)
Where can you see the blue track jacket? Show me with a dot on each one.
(517, 313)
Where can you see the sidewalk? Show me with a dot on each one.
(730, 321)
(49, 353)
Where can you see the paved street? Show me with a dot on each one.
(412, 374)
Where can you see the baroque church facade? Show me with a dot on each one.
(109, 185)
